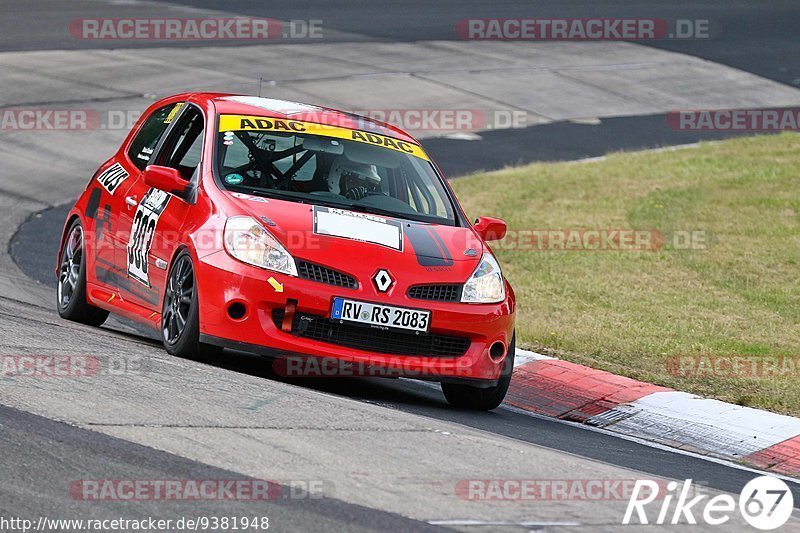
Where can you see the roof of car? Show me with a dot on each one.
(272, 107)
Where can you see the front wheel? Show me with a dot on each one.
(470, 397)
(180, 316)
(71, 290)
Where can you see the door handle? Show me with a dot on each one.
(131, 201)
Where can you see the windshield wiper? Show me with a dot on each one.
(378, 211)
(279, 195)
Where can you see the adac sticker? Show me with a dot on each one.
(255, 123)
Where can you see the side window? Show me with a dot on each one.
(150, 133)
(184, 147)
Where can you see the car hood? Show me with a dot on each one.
(330, 236)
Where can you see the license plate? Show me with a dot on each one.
(384, 316)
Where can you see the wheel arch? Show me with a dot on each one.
(73, 216)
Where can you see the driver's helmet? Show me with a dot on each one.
(345, 175)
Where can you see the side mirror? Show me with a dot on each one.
(490, 229)
(166, 179)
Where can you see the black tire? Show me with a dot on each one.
(71, 284)
(469, 397)
(180, 322)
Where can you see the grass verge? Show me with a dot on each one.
(714, 309)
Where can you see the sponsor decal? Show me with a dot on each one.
(255, 123)
(144, 227)
(112, 178)
(234, 179)
(358, 227)
(173, 113)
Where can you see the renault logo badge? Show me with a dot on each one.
(383, 280)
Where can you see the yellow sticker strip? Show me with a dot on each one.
(254, 123)
(173, 112)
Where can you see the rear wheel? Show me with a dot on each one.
(470, 397)
(180, 317)
(71, 290)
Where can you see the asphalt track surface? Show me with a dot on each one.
(181, 419)
(759, 37)
(755, 37)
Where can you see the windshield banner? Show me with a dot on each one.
(255, 123)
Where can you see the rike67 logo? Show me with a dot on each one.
(765, 503)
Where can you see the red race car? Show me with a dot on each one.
(322, 239)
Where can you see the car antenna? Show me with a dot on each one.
(260, 79)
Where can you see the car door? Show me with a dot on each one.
(113, 184)
(155, 218)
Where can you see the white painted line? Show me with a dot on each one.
(498, 523)
(702, 424)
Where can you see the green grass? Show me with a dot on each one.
(630, 312)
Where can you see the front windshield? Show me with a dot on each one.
(329, 165)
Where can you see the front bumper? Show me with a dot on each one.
(223, 282)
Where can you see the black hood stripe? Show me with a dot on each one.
(428, 246)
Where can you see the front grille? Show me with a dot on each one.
(441, 293)
(392, 342)
(327, 275)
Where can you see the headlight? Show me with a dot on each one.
(485, 286)
(249, 242)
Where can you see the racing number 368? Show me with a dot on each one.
(144, 227)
